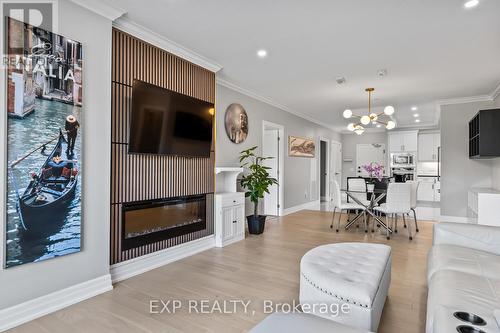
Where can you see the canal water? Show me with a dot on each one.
(60, 233)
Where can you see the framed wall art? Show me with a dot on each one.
(236, 123)
(301, 147)
(44, 144)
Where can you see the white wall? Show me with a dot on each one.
(458, 172)
(300, 174)
(349, 143)
(22, 283)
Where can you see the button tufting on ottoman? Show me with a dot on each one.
(346, 282)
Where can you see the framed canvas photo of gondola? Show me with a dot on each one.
(44, 144)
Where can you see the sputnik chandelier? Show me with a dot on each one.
(371, 117)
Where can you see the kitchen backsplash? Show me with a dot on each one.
(427, 168)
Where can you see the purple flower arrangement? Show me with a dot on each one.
(375, 170)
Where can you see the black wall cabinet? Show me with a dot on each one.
(484, 134)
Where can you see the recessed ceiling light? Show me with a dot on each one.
(262, 53)
(415, 115)
(414, 108)
(471, 3)
(417, 120)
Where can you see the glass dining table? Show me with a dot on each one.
(373, 197)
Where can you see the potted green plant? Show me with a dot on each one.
(256, 181)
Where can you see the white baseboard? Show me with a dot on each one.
(132, 267)
(313, 205)
(43, 305)
(458, 219)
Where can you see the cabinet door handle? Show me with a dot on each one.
(235, 221)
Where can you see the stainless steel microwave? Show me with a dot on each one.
(402, 160)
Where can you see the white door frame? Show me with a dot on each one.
(327, 177)
(281, 155)
(341, 160)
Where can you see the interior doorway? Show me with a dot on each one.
(323, 171)
(335, 165)
(273, 146)
(370, 153)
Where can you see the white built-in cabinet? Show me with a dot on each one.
(403, 141)
(483, 206)
(229, 207)
(428, 146)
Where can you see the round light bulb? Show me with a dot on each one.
(390, 125)
(389, 110)
(347, 114)
(365, 120)
(350, 127)
(373, 117)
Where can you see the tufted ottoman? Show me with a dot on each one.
(346, 282)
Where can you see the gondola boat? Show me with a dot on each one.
(48, 194)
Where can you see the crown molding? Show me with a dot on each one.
(139, 31)
(496, 92)
(271, 102)
(101, 8)
(463, 100)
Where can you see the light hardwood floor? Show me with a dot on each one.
(264, 267)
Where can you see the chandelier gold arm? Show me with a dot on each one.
(373, 119)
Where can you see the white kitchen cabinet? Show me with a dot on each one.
(410, 141)
(404, 141)
(428, 144)
(425, 146)
(229, 208)
(396, 142)
(437, 191)
(425, 189)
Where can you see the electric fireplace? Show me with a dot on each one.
(151, 221)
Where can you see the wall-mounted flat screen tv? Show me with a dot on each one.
(165, 122)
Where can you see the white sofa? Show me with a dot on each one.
(463, 274)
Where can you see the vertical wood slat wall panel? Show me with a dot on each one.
(144, 177)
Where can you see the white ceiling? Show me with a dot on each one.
(432, 50)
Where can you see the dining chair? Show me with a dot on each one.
(358, 184)
(338, 204)
(413, 204)
(398, 203)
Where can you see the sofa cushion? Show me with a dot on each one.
(452, 290)
(462, 259)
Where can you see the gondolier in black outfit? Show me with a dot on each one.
(71, 128)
